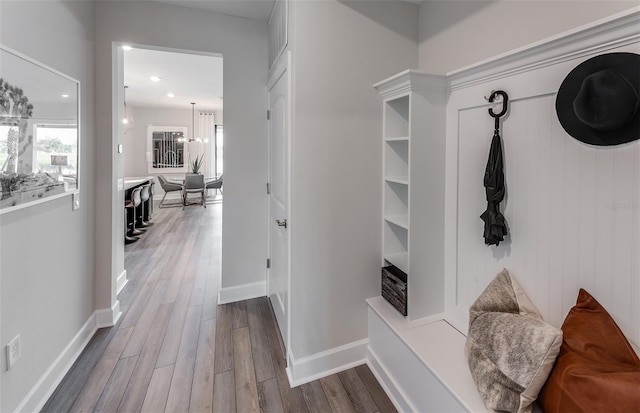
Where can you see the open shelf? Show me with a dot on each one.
(396, 199)
(396, 158)
(400, 180)
(396, 113)
(401, 221)
(397, 139)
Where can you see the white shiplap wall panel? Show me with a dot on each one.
(572, 210)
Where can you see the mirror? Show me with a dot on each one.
(39, 132)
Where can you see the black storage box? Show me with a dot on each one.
(394, 288)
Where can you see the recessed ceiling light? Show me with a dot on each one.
(170, 95)
(65, 96)
(154, 78)
(126, 47)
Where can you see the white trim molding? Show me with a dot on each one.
(242, 292)
(108, 317)
(612, 32)
(121, 281)
(49, 381)
(327, 362)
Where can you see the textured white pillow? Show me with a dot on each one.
(510, 349)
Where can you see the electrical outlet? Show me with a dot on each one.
(13, 351)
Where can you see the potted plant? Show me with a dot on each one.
(196, 164)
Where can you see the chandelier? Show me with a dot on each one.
(193, 122)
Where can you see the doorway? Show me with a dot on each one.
(172, 123)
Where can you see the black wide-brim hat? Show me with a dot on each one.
(598, 103)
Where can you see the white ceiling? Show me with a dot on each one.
(192, 78)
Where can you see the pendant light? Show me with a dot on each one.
(193, 125)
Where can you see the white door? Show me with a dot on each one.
(278, 203)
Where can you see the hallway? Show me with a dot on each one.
(174, 350)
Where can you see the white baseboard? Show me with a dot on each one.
(389, 385)
(325, 363)
(49, 381)
(108, 317)
(121, 281)
(242, 292)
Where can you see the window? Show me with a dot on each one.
(219, 149)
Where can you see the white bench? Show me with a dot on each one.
(421, 363)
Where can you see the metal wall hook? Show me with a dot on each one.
(486, 98)
(505, 100)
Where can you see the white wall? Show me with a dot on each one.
(243, 44)
(47, 250)
(135, 137)
(340, 49)
(455, 34)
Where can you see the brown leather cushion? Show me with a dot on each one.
(597, 370)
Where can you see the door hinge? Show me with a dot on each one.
(268, 262)
(268, 188)
(268, 115)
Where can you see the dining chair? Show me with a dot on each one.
(215, 184)
(193, 184)
(168, 187)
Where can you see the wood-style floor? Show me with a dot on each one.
(174, 350)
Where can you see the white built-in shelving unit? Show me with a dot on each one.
(413, 184)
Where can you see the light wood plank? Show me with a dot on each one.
(269, 396)
(137, 307)
(292, 399)
(224, 392)
(246, 389)
(336, 395)
(224, 340)
(209, 309)
(180, 391)
(141, 329)
(203, 376)
(375, 390)
(259, 342)
(358, 393)
(137, 388)
(155, 399)
(93, 388)
(269, 317)
(173, 335)
(238, 315)
(315, 398)
(115, 388)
